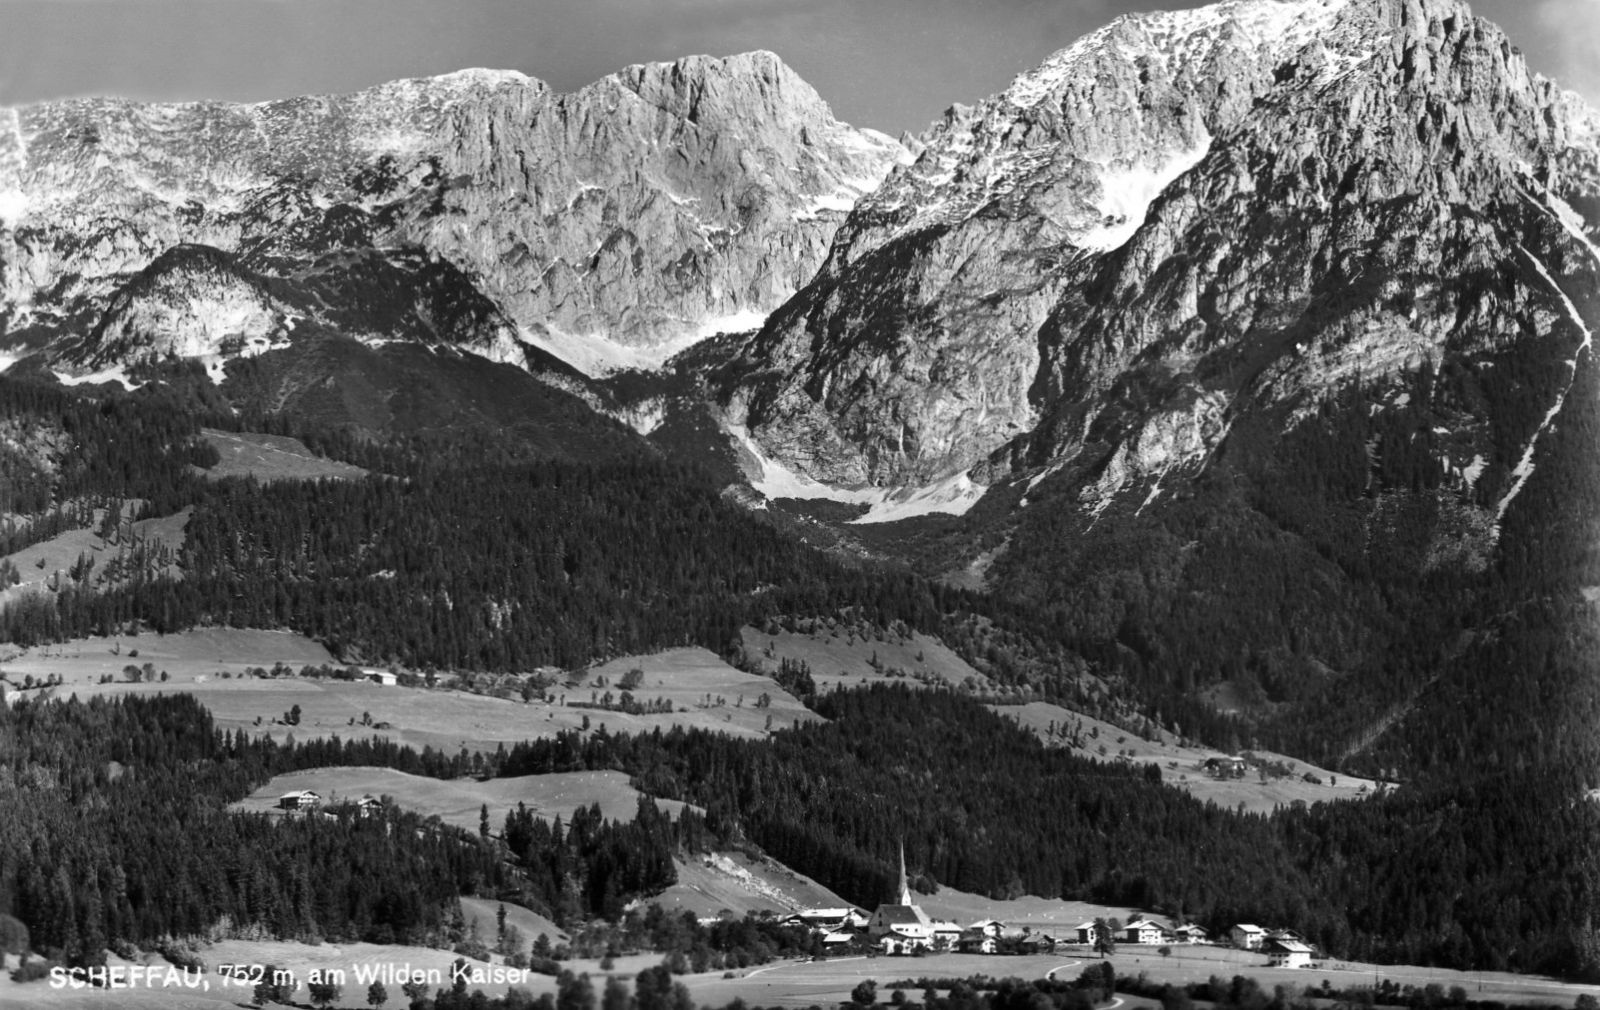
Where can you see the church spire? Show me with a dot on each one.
(905, 885)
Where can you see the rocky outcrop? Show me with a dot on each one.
(659, 204)
(1180, 218)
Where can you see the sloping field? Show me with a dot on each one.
(1184, 766)
(484, 912)
(272, 457)
(828, 983)
(187, 654)
(46, 564)
(196, 662)
(1046, 915)
(840, 658)
(460, 801)
(733, 881)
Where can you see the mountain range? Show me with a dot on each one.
(1248, 343)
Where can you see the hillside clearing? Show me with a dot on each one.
(272, 457)
(459, 802)
(46, 565)
(843, 657)
(712, 883)
(1184, 766)
(210, 663)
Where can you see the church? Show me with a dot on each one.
(902, 927)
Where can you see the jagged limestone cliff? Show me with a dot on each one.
(605, 226)
(1180, 218)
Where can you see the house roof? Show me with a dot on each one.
(298, 794)
(1084, 925)
(1247, 928)
(1290, 947)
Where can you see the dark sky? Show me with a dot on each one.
(889, 64)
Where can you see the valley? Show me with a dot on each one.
(1163, 487)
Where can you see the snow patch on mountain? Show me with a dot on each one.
(1277, 26)
(596, 356)
(1562, 213)
(954, 495)
(1126, 194)
(13, 207)
(116, 373)
(1524, 468)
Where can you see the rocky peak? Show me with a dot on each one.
(1115, 239)
(609, 225)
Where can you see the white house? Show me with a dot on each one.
(383, 678)
(1247, 937)
(988, 927)
(1142, 932)
(1085, 932)
(300, 799)
(830, 919)
(1288, 953)
(1190, 933)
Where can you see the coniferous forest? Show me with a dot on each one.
(446, 560)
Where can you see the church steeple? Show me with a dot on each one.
(905, 885)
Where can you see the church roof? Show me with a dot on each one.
(903, 915)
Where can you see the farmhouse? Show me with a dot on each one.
(976, 941)
(1142, 932)
(829, 919)
(368, 805)
(1247, 937)
(300, 799)
(1085, 932)
(1287, 953)
(383, 678)
(1234, 766)
(988, 927)
(1190, 934)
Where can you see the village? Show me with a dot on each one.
(903, 928)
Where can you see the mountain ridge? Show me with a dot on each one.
(658, 204)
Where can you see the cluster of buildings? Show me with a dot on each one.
(305, 801)
(1284, 948)
(903, 927)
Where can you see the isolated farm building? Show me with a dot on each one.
(988, 927)
(1142, 932)
(300, 799)
(1190, 934)
(829, 919)
(1287, 953)
(368, 805)
(1085, 931)
(1247, 937)
(1234, 766)
(383, 678)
